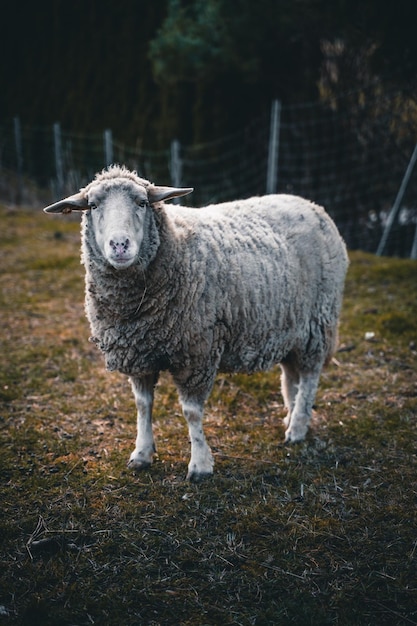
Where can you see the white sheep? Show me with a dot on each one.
(232, 287)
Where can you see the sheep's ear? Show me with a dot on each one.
(77, 202)
(156, 194)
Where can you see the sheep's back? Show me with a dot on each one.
(260, 270)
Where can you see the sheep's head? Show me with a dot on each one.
(119, 203)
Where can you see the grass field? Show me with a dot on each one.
(323, 532)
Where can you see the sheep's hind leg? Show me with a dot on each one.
(290, 379)
(143, 389)
(303, 406)
(201, 462)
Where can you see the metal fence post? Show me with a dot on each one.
(273, 149)
(176, 166)
(19, 159)
(397, 203)
(59, 167)
(413, 253)
(108, 147)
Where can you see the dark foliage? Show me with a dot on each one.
(153, 71)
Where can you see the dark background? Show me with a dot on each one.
(199, 69)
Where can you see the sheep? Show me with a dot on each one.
(232, 287)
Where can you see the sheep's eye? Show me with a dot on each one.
(92, 205)
(141, 203)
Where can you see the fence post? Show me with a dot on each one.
(59, 167)
(413, 253)
(273, 150)
(397, 203)
(108, 147)
(19, 158)
(176, 166)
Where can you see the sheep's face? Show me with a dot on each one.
(120, 204)
(118, 217)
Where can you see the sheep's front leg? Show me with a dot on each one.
(143, 389)
(201, 462)
(300, 416)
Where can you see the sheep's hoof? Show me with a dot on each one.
(295, 436)
(138, 465)
(197, 477)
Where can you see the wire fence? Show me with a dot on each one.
(351, 161)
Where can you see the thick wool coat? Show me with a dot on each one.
(233, 287)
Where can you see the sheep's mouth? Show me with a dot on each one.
(120, 263)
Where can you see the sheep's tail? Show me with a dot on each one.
(332, 342)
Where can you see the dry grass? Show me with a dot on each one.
(324, 532)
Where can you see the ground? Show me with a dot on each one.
(322, 532)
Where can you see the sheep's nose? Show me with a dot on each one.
(119, 245)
